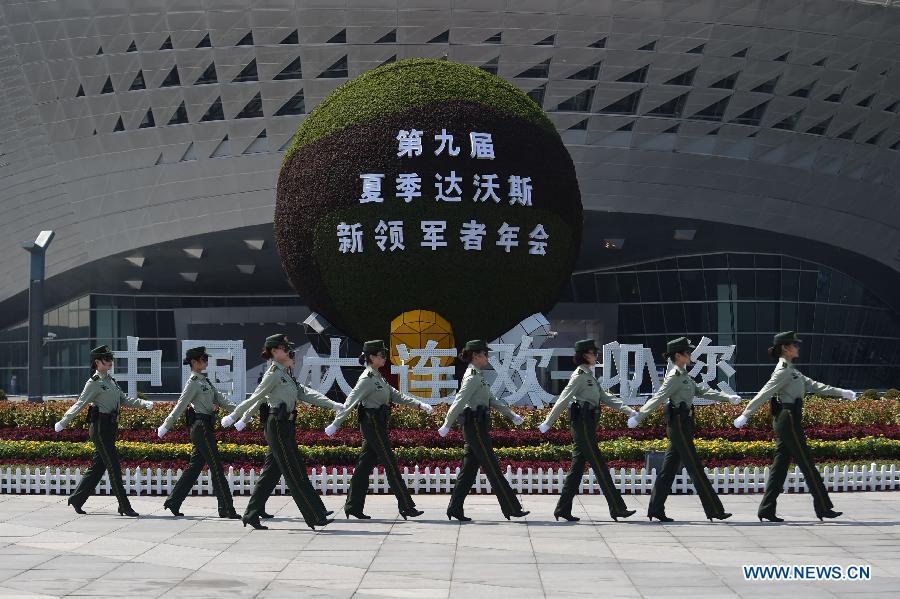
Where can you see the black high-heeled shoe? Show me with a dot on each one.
(770, 518)
(460, 517)
(77, 508)
(623, 514)
(174, 511)
(323, 522)
(829, 514)
(660, 517)
(357, 514)
(266, 516)
(411, 512)
(519, 514)
(722, 516)
(254, 522)
(329, 512)
(128, 512)
(566, 517)
(232, 515)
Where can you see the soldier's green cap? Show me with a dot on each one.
(195, 353)
(475, 345)
(680, 345)
(586, 345)
(101, 352)
(279, 340)
(375, 346)
(785, 338)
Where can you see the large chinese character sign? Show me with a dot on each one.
(428, 185)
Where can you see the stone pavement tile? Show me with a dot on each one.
(203, 584)
(463, 589)
(322, 575)
(500, 574)
(353, 559)
(49, 583)
(466, 556)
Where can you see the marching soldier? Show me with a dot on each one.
(372, 397)
(198, 401)
(678, 390)
(474, 401)
(104, 396)
(785, 391)
(583, 397)
(281, 393)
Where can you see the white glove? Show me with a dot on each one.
(58, 426)
(443, 430)
(517, 420)
(240, 424)
(848, 394)
(632, 422)
(632, 413)
(227, 421)
(161, 431)
(337, 407)
(425, 407)
(148, 405)
(740, 421)
(544, 427)
(734, 399)
(330, 430)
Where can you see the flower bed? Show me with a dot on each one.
(618, 449)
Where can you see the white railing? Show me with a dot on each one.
(335, 481)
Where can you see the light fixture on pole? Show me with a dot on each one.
(37, 249)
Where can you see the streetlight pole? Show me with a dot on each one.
(37, 249)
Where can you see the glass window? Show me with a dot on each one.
(670, 286)
(788, 317)
(166, 323)
(692, 286)
(607, 288)
(584, 288)
(768, 283)
(767, 261)
(145, 302)
(628, 288)
(740, 261)
(746, 316)
(653, 318)
(697, 318)
(823, 285)
(788, 262)
(745, 284)
(766, 314)
(630, 320)
(649, 288)
(808, 284)
(715, 261)
(834, 322)
(821, 313)
(674, 315)
(790, 285)
(745, 352)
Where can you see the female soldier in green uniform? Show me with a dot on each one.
(474, 401)
(105, 397)
(282, 393)
(583, 396)
(199, 399)
(372, 397)
(785, 391)
(678, 390)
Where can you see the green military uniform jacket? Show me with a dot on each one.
(276, 388)
(199, 393)
(584, 389)
(680, 389)
(474, 393)
(372, 391)
(789, 385)
(102, 391)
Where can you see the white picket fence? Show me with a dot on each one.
(335, 481)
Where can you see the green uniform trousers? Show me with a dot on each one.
(480, 452)
(790, 442)
(285, 460)
(681, 450)
(205, 452)
(583, 423)
(376, 449)
(103, 431)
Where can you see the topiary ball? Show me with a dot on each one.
(354, 131)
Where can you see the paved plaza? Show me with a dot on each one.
(46, 550)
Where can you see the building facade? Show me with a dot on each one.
(737, 163)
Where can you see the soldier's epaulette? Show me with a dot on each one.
(369, 373)
(95, 377)
(273, 368)
(194, 377)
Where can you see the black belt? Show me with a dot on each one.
(94, 414)
(671, 410)
(205, 417)
(776, 405)
(281, 413)
(479, 414)
(578, 410)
